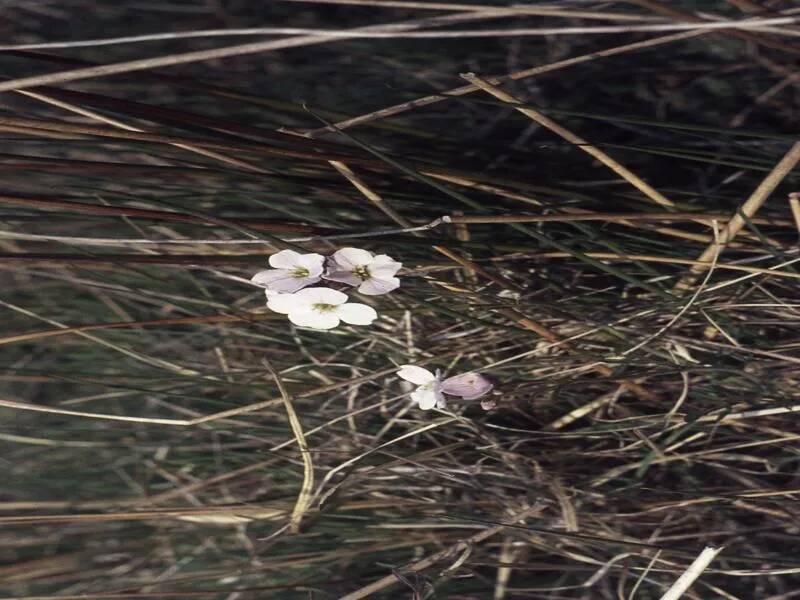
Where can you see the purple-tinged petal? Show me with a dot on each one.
(343, 277)
(469, 386)
(280, 280)
(376, 287)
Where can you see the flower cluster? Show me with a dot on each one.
(431, 388)
(287, 283)
(322, 307)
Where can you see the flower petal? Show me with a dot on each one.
(305, 317)
(375, 287)
(415, 374)
(267, 276)
(468, 385)
(350, 258)
(280, 280)
(383, 266)
(343, 276)
(282, 303)
(321, 295)
(313, 262)
(285, 259)
(426, 398)
(356, 314)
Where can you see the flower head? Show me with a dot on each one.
(374, 275)
(292, 271)
(431, 389)
(428, 393)
(320, 308)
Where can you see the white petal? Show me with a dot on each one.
(356, 314)
(383, 266)
(285, 259)
(375, 287)
(315, 319)
(282, 303)
(321, 295)
(415, 374)
(426, 398)
(343, 276)
(383, 259)
(313, 262)
(350, 258)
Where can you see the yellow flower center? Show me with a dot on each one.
(324, 307)
(362, 271)
(299, 272)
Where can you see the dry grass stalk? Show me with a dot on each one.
(746, 212)
(576, 140)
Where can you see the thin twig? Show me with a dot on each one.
(344, 34)
(218, 53)
(500, 10)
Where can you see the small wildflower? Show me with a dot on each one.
(431, 389)
(374, 275)
(320, 308)
(292, 271)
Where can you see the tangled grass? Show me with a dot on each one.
(608, 235)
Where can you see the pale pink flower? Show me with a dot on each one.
(292, 271)
(470, 386)
(374, 275)
(320, 308)
(431, 389)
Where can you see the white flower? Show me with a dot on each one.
(374, 275)
(431, 389)
(293, 271)
(320, 308)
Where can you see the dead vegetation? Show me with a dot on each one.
(594, 211)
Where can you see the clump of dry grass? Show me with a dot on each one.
(597, 221)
